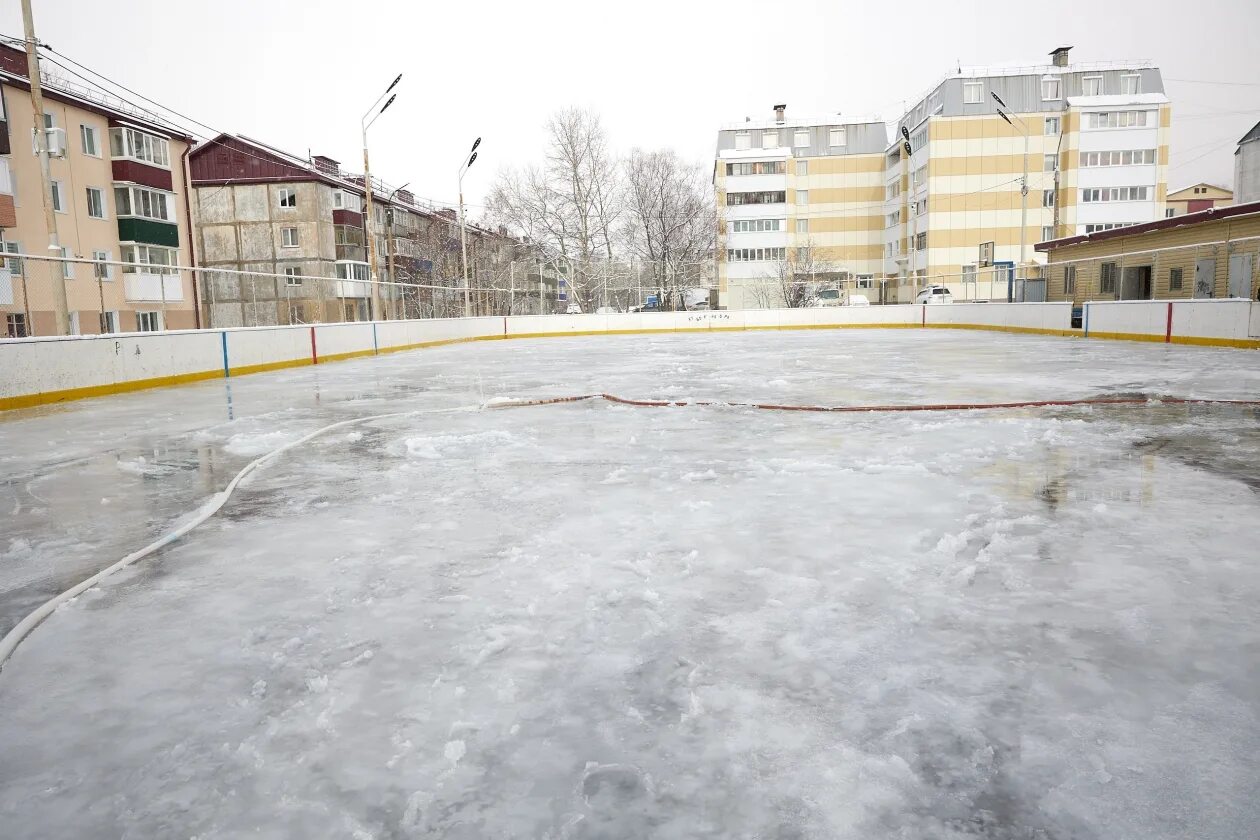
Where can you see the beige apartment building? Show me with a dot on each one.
(118, 195)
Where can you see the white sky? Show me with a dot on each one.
(293, 73)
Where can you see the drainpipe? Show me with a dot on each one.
(192, 234)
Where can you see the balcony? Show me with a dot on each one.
(353, 288)
(153, 287)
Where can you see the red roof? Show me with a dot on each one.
(1212, 214)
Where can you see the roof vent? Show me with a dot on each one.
(778, 113)
(1059, 56)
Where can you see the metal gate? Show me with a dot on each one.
(1204, 277)
(1240, 275)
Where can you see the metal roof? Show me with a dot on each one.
(1212, 214)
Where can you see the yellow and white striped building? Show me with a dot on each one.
(1096, 141)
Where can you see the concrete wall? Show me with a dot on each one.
(38, 371)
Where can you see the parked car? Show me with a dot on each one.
(695, 300)
(573, 309)
(647, 307)
(829, 297)
(935, 294)
(858, 300)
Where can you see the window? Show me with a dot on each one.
(50, 121)
(1107, 278)
(802, 196)
(1052, 125)
(1115, 194)
(359, 271)
(1101, 226)
(919, 176)
(1047, 198)
(1092, 86)
(756, 225)
(102, 270)
(802, 225)
(148, 321)
(91, 146)
(763, 197)
(892, 219)
(67, 268)
(1200, 190)
(866, 281)
(769, 139)
(1131, 84)
(802, 167)
(1169, 213)
(892, 190)
(293, 276)
(74, 324)
(1174, 279)
(141, 201)
(56, 196)
(800, 138)
(755, 254)
(1128, 157)
(973, 93)
(288, 197)
(1050, 163)
(1117, 119)
(15, 325)
(1047, 233)
(148, 148)
(920, 242)
(837, 137)
(1051, 88)
(289, 237)
(760, 167)
(1069, 280)
(109, 321)
(741, 140)
(920, 207)
(14, 263)
(95, 203)
(149, 259)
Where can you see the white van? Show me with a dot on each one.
(935, 294)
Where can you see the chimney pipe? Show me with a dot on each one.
(778, 113)
(1059, 56)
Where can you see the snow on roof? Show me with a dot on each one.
(1116, 100)
(738, 154)
(803, 122)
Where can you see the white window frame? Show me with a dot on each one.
(973, 93)
(802, 168)
(74, 322)
(1137, 84)
(865, 281)
(796, 138)
(802, 226)
(1047, 198)
(292, 276)
(140, 146)
(1052, 84)
(58, 197)
(139, 259)
(1047, 233)
(801, 198)
(14, 264)
(743, 140)
(838, 137)
(1049, 163)
(110, 321)
(136, 199)
(90, 131)
(286, 194)
(149, 320)
(103, 271)
(100, 201)
(1053, 126)
(770, 139)
(1085, 83)
(67, 268)
(290, 241)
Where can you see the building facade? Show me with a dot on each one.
(1197, 197)
(119, 195)
(1247, 167)
(1214, 253)
(938, 199)
(797, 196)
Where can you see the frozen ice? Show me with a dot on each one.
(594, 620)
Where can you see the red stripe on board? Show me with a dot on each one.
(1168, 329)
(925, 314)
(314, 355)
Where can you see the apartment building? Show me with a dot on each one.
(119, 194)
(1096, 141)
(797, 196)
(1247, 167)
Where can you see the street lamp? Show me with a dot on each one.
(1023, 192)
(366, 123)
(389, 234)
(463, 236)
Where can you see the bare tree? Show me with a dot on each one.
(670, 219)
(799, 273)
(571, 205)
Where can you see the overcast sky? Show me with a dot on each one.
(299, 75)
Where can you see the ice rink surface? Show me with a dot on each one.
(601, 621)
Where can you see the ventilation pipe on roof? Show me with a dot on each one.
(778, 113)
(1059, 56)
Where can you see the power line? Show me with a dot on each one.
(1210, 82)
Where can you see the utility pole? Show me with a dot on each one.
(365, 124)
(463, 235)
(56, 274)
(1023, 191)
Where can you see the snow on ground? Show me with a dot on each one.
(595, 620)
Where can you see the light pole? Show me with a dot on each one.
(389, 236)
(1023, 192)
(367, 184)
(463, 235)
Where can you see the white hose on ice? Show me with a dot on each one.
(23, 628)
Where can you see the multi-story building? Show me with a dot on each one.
(1196, 197)
(1247, 167)
(1095, 138)
(939, 199)
(797, 197)
(118, 194)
